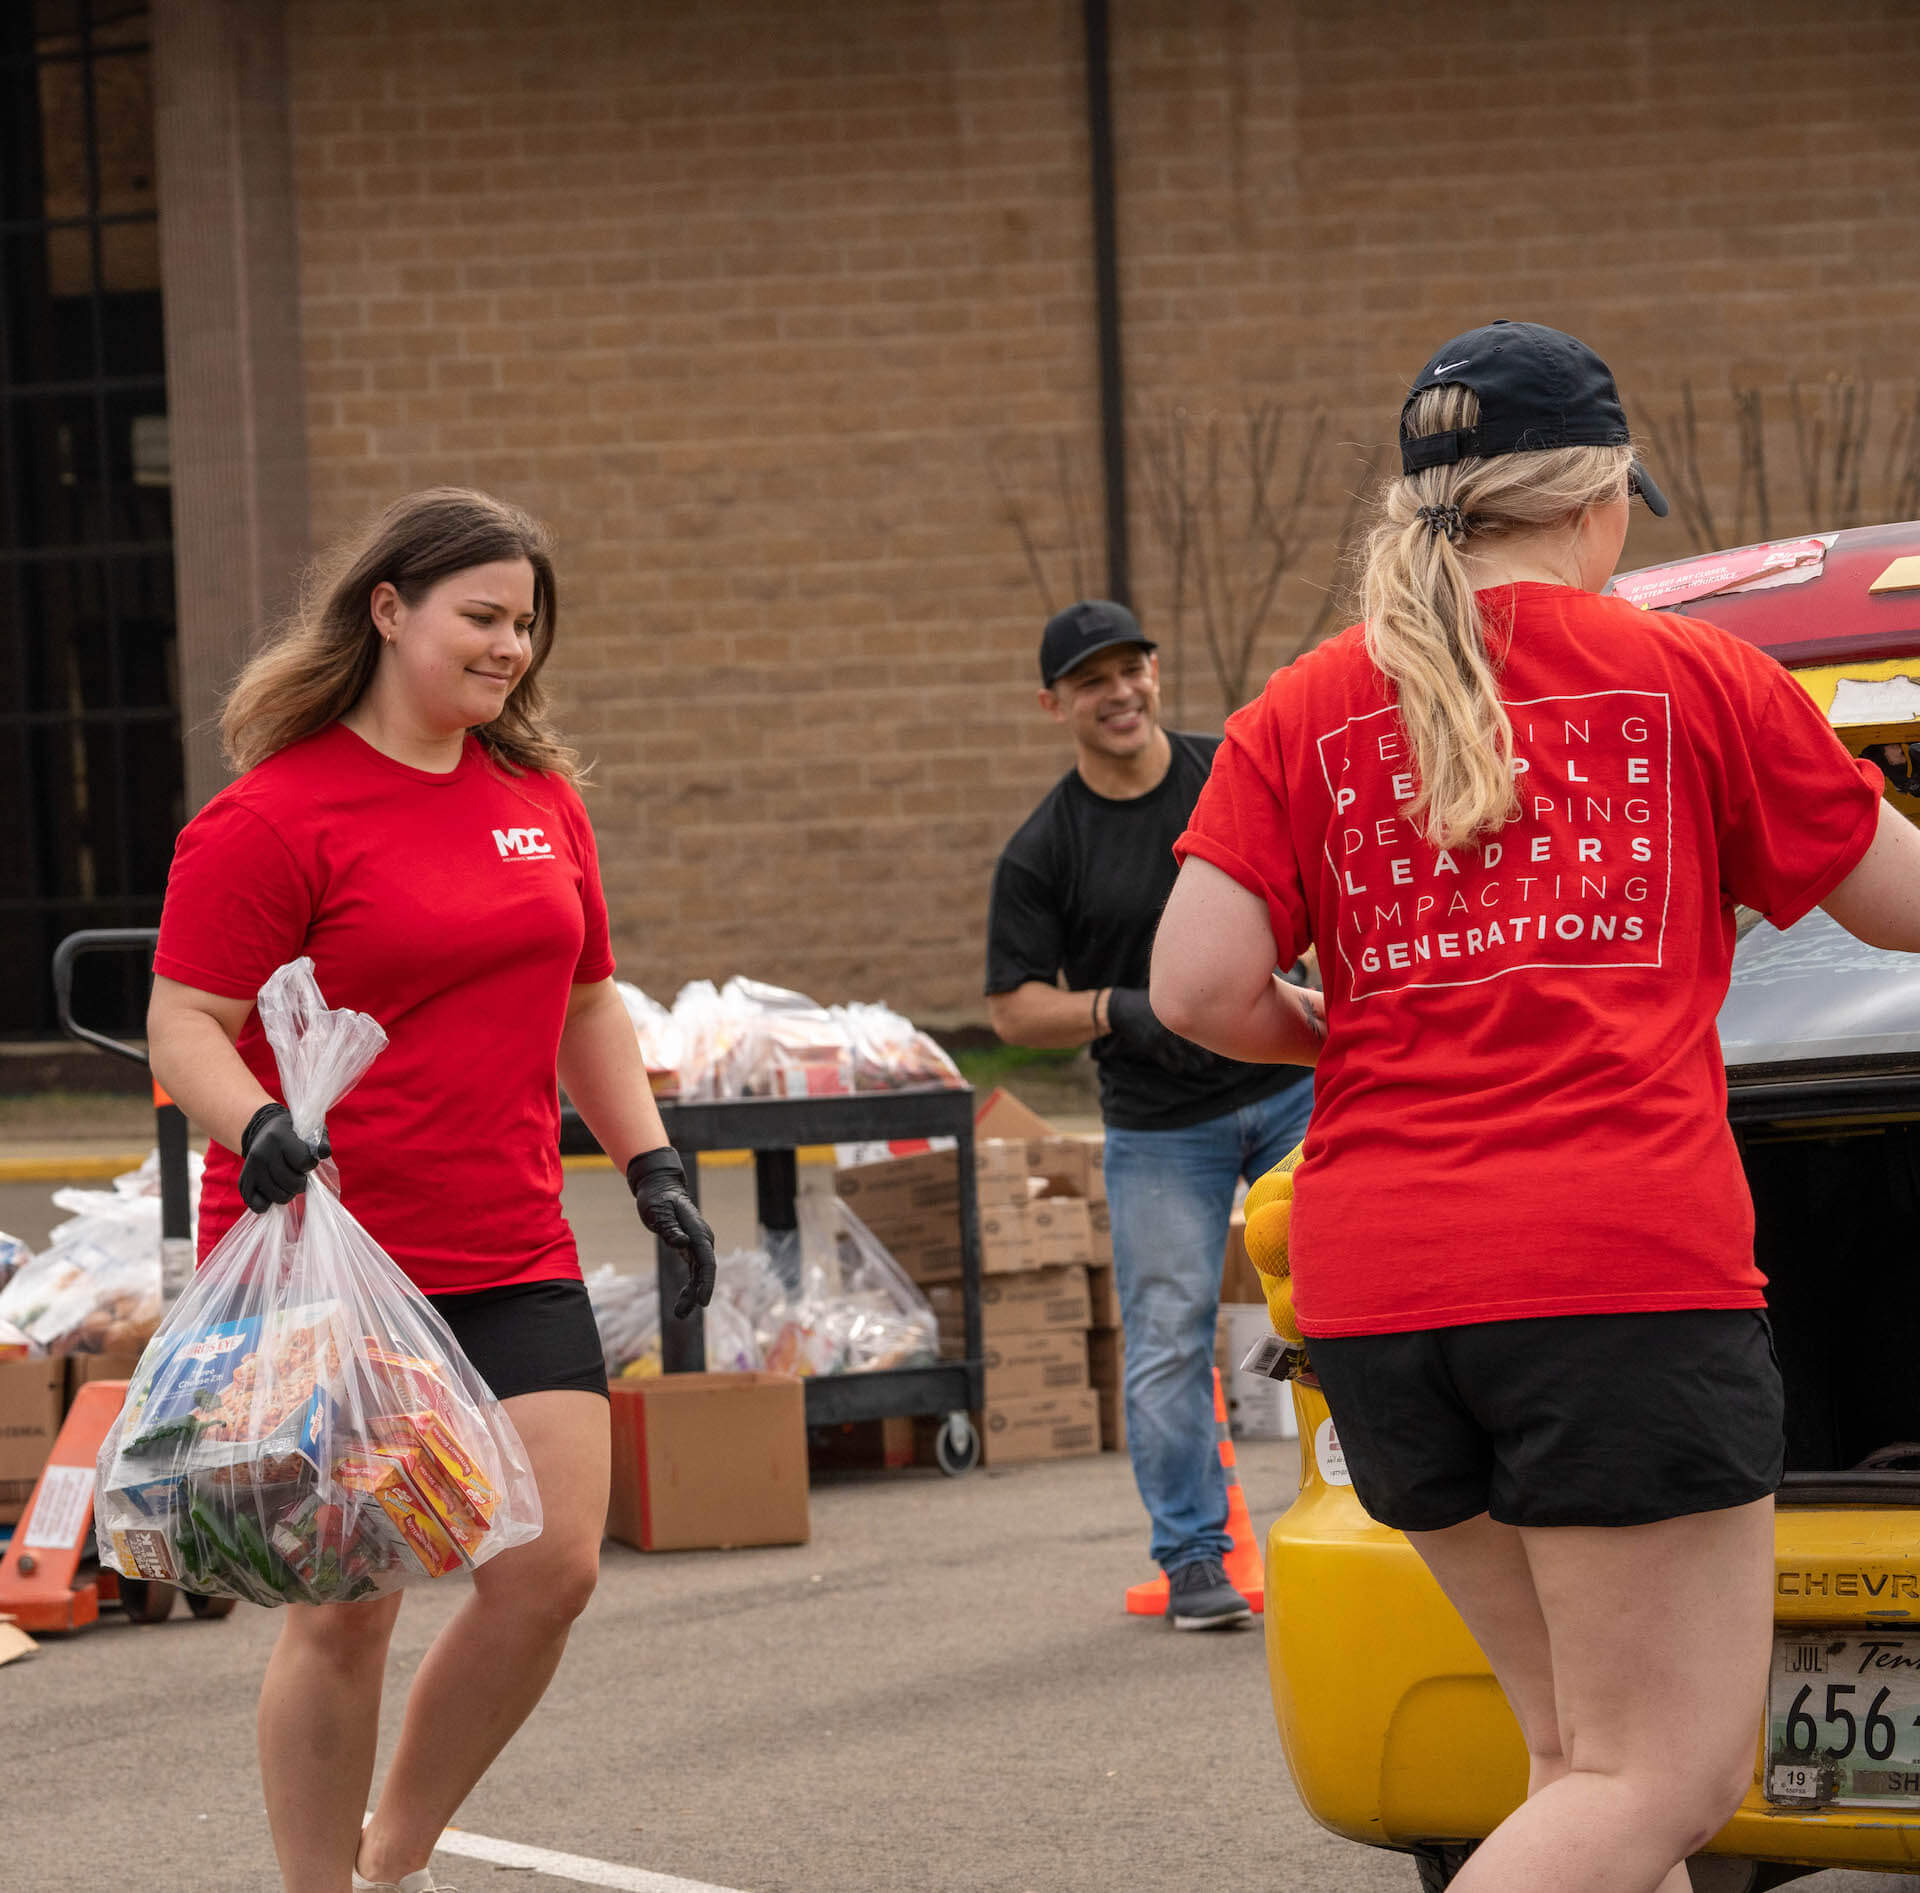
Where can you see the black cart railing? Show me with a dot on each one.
(176, 1223)
(774, 1129)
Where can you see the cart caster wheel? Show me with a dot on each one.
(956, 1447)
(209, 1608)
(1439, 1864)
(146, 1600)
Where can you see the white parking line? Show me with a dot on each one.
(511, 1853)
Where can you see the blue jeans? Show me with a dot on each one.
(1171, 1194)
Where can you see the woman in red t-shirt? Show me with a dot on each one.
(408, 818)
(1515, 817)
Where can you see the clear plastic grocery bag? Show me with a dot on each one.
(303, 1428)
(856, 1312)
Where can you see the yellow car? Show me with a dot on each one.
(1393, 1726)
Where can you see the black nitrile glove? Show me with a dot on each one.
(277, 1159)
(1131, 1020)
(659, 1185)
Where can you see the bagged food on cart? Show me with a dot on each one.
(626, 1310)
(303, 1428)
(707, 1028)
(96, 1287)
(785, 1045)
(890, 1052)
(856, 1311)
(662, 1045)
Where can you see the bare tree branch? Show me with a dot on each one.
(1229, 516)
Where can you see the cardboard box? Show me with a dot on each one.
(901, 1186)
(82, 1368)
(708, 1461)
(1113, 1419)
(1100, 1216)
(862, 1445)
(1000, 1170)
(1059, 1232)
(1043, 1361)
(1006, 1240)
(1257, 1408)
(1055, 1426)
(1072, 1166)
(1103, 1298)
(1001, 1114)
(926, 1247)
(1239, 1279)
(32, 1401)
(1017, 1304)
(1107, 1357)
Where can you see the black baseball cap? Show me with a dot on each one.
(1072, 636)
(1537, 388)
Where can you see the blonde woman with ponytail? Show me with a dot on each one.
(406, 816)
(1515, 815)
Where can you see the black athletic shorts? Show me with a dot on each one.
(530, 1337)
(1564, 1420)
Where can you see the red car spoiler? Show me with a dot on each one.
(1804, 601)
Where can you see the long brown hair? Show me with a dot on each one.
(1423, 622)
(321, 659)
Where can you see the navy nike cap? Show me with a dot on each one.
(1072, 636)
(1538, 389)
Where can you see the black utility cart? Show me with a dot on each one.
(774, 1129)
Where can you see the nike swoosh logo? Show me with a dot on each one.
(1444, 366)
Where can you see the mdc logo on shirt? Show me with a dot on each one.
(522, 844)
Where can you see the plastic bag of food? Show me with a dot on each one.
(856, 1311)
(80, 1297)
(661, 1040)
(891, 1053)
(748, 1280)
(788, 1046)
(13, 1252)
(707, 1030)
(96, 1287)
(731, 1347)
(626, 1310)
(304, 1428)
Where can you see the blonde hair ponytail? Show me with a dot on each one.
(1424, 629)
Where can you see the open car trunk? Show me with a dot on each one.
(1822, 1040)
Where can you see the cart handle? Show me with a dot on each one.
(93, 940)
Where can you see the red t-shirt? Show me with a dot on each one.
(459, 910)
(1520, 1108)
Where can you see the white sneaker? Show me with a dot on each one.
(421, 1882)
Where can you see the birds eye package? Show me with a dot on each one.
(303, 1427)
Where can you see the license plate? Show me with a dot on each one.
(1843, 1720)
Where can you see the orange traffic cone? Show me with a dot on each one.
(1246, 1571)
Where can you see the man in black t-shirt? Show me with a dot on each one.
(1077, 894)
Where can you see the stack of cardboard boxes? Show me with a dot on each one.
(34, 1398)
(1046, 1268)
(1050, 1314)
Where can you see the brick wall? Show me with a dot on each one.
(777, 312)
(1314, 198)
(740, 298)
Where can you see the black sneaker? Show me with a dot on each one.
(1200, 1598)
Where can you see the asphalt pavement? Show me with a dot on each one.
(940, 1692)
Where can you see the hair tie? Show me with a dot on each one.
(1448, 519)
